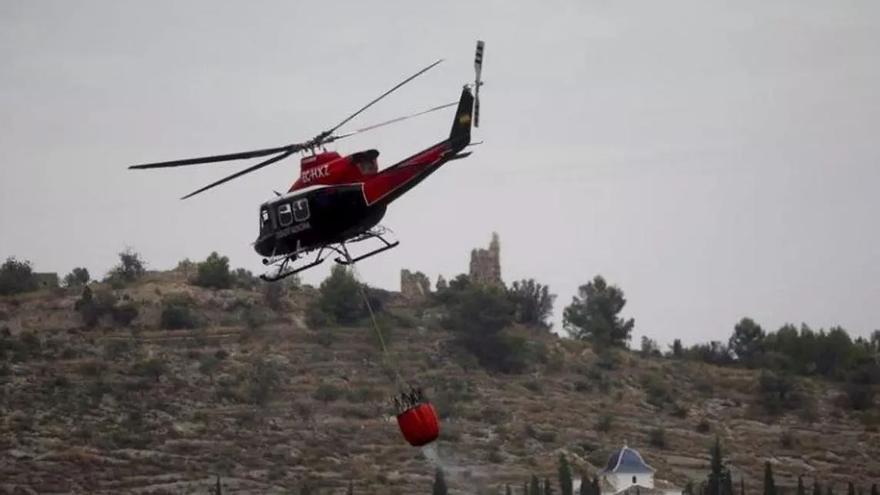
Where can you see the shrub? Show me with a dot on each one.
(327, 393)
(657, 437)
(152, 368)
(16, 277)
(177, 314)
(605, 423)
(859, 397)
(703, 426)
(124, 313)
(265, 381)
(78, 277)
(777, 392)
(316, 318)
(214, 272)
(479, 315)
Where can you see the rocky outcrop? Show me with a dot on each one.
(414, 286)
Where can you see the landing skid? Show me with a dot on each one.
(283, 270)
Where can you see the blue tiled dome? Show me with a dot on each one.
(627, 460)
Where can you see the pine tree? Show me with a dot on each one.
(801, 490)
(769, 484)
(440, 483)
(565, 482)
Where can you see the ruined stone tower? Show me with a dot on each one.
(486, 264)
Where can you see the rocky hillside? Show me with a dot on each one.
(255, 396)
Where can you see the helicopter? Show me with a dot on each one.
(340, 200)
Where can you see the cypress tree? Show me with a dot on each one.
(719, 481)
(534, 486)
(565, 482)
(440, 483)
(585, 485)
(829, 490)
(350, 488)
(548, 488)
(597, 489)
(742, 486)
(817, 489)
(850, 489)
(874, 490)
(769, 484)
(507, 490)
(801, 490)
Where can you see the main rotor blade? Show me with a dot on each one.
(368, 105)
(243, 172)
(387, 122)
(215, 158)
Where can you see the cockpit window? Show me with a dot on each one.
(285, 215)
(264, 219)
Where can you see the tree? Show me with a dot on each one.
(585, 485)
(350, 488)
(769, 483)
(677, 349)
(649, 347)
(341, 297)
(565, 481)
(874, 490)
(78, 277)
(747, 340)
(507, 490)
(801, 490)
(593, 314)
(16, 277)
(850, 489)
(478, 315)
(548, 488)
(214, 272)
(439, 483)
(534, 303)
(817, 489)
(534, 486)
(719, 481)
(597, 489)
(130, 268)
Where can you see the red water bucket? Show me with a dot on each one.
(419, 424)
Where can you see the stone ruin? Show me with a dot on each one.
(486, 264)
(414, 286)
(485, 269)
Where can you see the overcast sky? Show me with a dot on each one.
(713, 159)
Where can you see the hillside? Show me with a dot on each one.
(255, 396)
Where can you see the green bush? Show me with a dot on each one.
(177, 314)
(479, 316)
(152, 368)
(214, 272)
(605, 423)
(265, 380)
(327, 393)
(78, 277)
(16, 277)
(778, 392)
(340, 297)
(125, 313)
(657, 437)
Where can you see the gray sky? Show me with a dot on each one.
(714, 159)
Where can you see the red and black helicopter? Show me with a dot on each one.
(339, 200)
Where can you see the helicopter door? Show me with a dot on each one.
(301, 210)
(285, 217)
